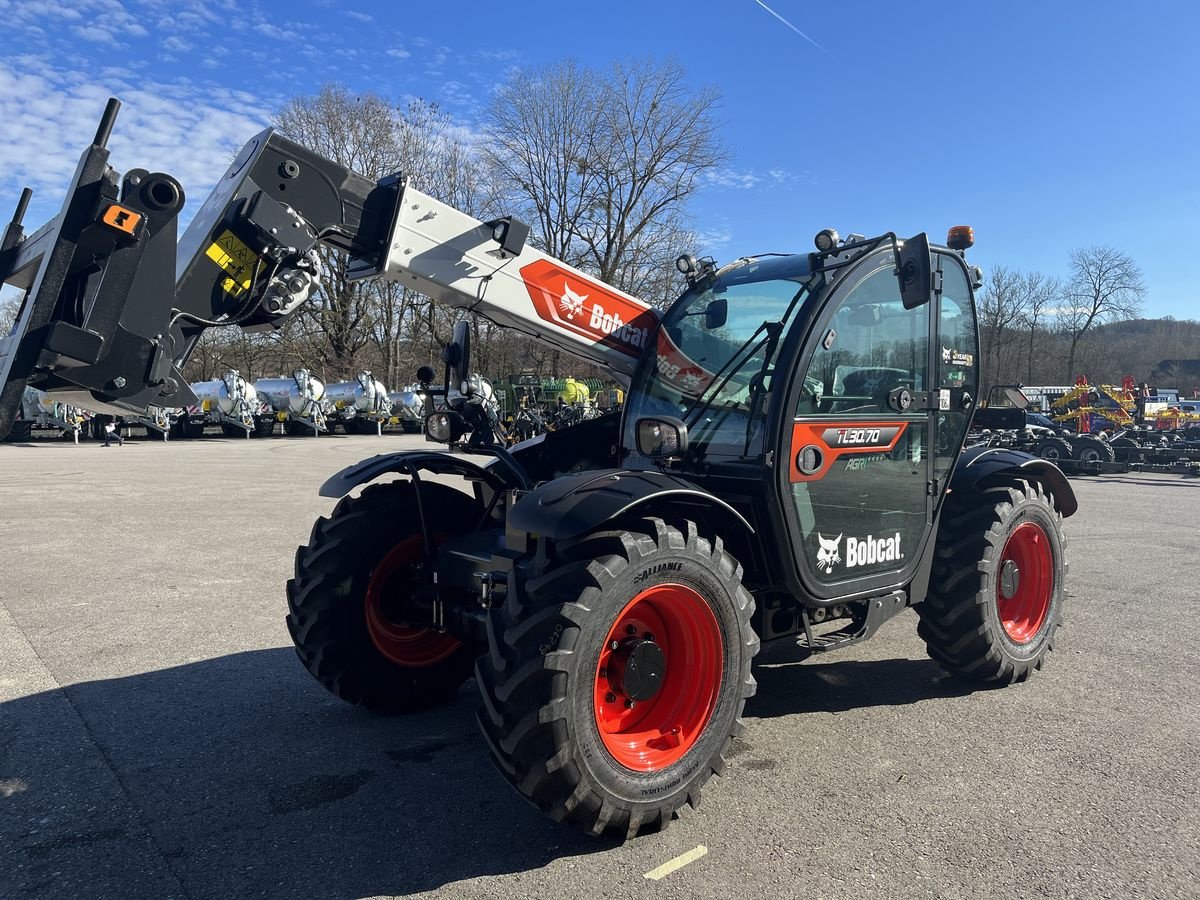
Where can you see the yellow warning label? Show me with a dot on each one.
(236, 259)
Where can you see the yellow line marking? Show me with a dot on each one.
(677, 863)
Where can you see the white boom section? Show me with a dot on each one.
(452, 257)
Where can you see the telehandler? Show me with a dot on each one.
(788, 464)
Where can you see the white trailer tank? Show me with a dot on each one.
(365, 395)
(232, 395)
(301, 394)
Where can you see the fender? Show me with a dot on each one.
(575, 504)
(979, 463)
(407, 461)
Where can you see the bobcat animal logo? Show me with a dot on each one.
(828, 556)
(570, 302)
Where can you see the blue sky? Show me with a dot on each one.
(1047, 126)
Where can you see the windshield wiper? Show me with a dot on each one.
(717, 386)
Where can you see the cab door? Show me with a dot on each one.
(857, 484)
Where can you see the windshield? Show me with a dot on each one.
(713, 355)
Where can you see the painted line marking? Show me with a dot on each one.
(677, 863)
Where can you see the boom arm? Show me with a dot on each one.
(102, 327)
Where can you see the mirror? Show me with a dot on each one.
(1016, 399)
(457, 356)
(914, 271)
(424, 375)
(716, 313)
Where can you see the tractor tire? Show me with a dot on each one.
(1053, 449)
(1092, 450)
(264, 426)
(20, 433)
(233, 431)
(296, 429)
(996, 593)
(365, 554)
(616, 739)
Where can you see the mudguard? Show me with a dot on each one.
(575, 504)
(979, 463)
(407, 461)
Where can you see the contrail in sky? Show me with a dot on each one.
(791, 26)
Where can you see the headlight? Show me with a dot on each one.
(444, 427)
(662, 437)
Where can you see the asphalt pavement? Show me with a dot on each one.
(159, 738)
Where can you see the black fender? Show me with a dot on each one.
(573, 505)
(980, 463)
(408, 462)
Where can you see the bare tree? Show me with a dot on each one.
(1043, 293)
(1002, 305)
(1105, 285)
(359, 132)
(603, 163)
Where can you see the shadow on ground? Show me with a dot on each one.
(790, 683)
(240, 776)
(249, 780)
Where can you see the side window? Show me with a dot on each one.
(957, 362)
(871, 346)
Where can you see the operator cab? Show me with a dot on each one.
(827, 395)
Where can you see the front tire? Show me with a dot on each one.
(996, 593)
(615, 681)
(352, 578)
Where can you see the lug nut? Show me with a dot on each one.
(648, 636)
(615, 645)
(629, 704)
(631, 629)
(610, 698)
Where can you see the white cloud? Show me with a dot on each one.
(399, 53)
(187, 130)
(359, 16)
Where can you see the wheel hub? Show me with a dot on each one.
(1010, 579)
(636, 669)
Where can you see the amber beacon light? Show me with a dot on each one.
(960, 237)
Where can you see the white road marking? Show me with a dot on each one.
(677, 863)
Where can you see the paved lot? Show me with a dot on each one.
(158, 738)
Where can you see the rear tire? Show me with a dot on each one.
(369, 551)
(556, 696)
(264, 426)
(233, 431)
(1054, 449)
(21, 432)
(298, 429)
(996, 593)
(1092, 450)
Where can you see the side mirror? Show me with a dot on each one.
(1016, 398)
(716, 313)
(457, 356)
(662, 437)
(914, 271)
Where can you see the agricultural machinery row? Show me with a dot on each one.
(297, 405)
(1093, 430)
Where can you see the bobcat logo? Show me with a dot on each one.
(828, 555)
(570, 302)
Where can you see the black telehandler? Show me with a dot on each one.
(788, 464)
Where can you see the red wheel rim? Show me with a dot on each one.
(652, 734)
(413, 648)
(1025, 582)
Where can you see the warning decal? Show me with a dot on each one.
(236, 259)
